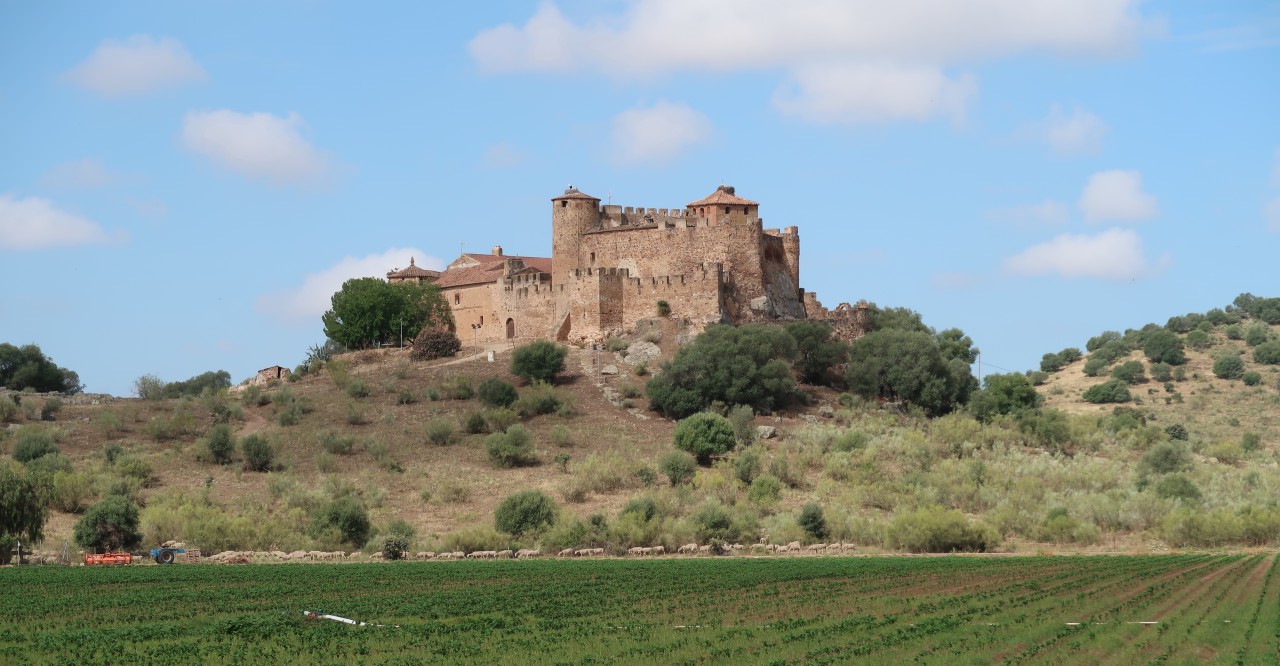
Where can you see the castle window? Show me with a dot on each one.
(457, 298)
(564, 204)
(593, 257)
(482, 320)
(726, 210)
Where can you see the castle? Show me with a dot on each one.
(610, 266)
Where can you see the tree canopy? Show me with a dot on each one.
(24, 505)
(369, 310)
(111, 524)
(27, 367)
(744, 365)
(908, 365)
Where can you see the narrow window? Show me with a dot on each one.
(593, 257)
(726, 210)
(482, 320)
(457, 298)
(564, 204)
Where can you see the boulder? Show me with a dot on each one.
(609, 370)
(642, 352)
(766, 432)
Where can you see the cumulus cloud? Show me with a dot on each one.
(138, 64)
(657, 134)
(1116, 195)
(257, 145)
(307, 301)
(656, 36)
(1114, 254)
(1075, 133)
(81, 174)
(855, 93)
(34, 223)
(1043, 214)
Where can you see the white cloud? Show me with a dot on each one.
(1114, 254)
(1116, 195)
(80, 174)
(1272, 212)
(503, 155)
(1079, 132)
(657, 134)
(307, 301)
(656, 36)
(34, 223)
(139, 64)
(855, 93)
(257, 145)
(1043, 214)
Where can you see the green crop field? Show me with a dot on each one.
(1085, 610)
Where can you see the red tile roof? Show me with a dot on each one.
(573, 193)
(489, 270)
(413, 271)
(723, 195)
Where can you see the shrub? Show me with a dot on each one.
(406, 397)
(817, 352)
(560, 436)
(1228, 453)
(1177, 431)
(678, 466)
(1161, 372)
(1061, 527)
(1165, 458)
(746, 365)
(1177, 486)
(440, 432)
(357, 388)
(663, 309)
(1235, 332)
(1055, 362)
(474, 423)
(536, 400)
(704, 435)
(1267, 353)
(1228, 366)
(511, 448)
(1251, 378)
(458, 387)
(337, 444)
(539, 360)
(1162, 346)
(742, 418)
(70, 490)
(1256, 335)
(1198, 339)
(1250, 442)
(1112, 391)
(747, 466)
(495, 392)
(812, 521)
(938, 530)
(765, 491)
(149, 387)
(50, 408)
(355, 415)
(347, 517)
(257, 453)
(220, 444)
(455, 493)
(394, 546)
(433, 343)
(8, 412)
(525, 512)
(1095, 366)
(1004, 394)
(1048, 427)
(901, 365)
(616, 344)
(33, 444)
(290, 407)
(1129, 372)
(1095, 343)
(499, 419)
(109, 525)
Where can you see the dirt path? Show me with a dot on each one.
(253, 422)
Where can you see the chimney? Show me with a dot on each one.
(497, 250)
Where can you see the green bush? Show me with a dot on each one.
(901, 365)
(368, 310)
(219, 444)
(70, 490)
(511, 448)
(678, 466)
(538, 361)
(257, 453)
(1004, 394)
(50, 409)
(765, 491)
(399, 537)
(1129, 372)
(938, 530)
(1267, 353)
(1256, 335)
(1177, 431)
(433, 343)
(27, 368)
(1112, 391)
(23, 506)
(1048, 427)
(746, 365)
(347, 517)
(1250, 442)
(1228, 366)
(539, 398)
(109, 525)
(440, 432)
(1165, 458)
(1199, 339)
(1251, 378)
(1177, 486)
(32, 444)
(524, 513)
(336, 444)
(474, 424)
(747, 465)
(1055, 362)
(816, 351)
(1235, 332)
(499, 419)
(496, 392)
(1095, 366)
(812, 521)
(458, 387)
(560, 436)
(357, 388)
(1095, 343)
(663, 309)
(742, 418)
(616, 344)
(8, 411)
(705, 435)
(1161, 372)
(1162, 346)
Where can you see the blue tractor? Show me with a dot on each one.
(165, 555)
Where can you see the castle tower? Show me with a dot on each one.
(572, 214)
(723, 205)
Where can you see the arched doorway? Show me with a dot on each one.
(511, 328)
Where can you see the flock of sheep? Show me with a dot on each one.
(236, 557)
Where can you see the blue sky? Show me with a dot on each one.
(183, 186)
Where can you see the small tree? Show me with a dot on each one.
(812, 521)
(496, 392)
(705, 435)
(33, 444)
(1129, 372)
(1165, 458)
(1267, 353)
(817, 352)
(1162, 346)
(220, 444)
(1004, 394)
(257, 453)
(678, 466)
(370, 310)
(23, 505)
(524, 513)
(1112, 391)
(399, 537)
(432, 343)
(1256, 335)
(539, 360)
(345, 515)
(1228, 366)
(111, 524)
(511, 448)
